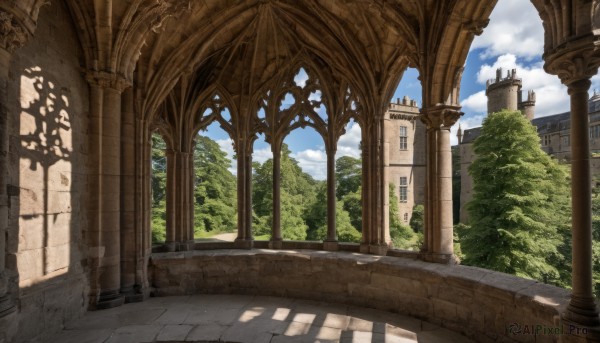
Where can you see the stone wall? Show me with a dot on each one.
(478, 303)
(48, 129)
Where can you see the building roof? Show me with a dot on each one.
(548, 124)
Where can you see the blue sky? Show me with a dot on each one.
(513, 39)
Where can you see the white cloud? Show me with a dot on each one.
(551, 95)
(227, 146)
(261, 155)
(515, 27)
(475, 103)
(313, 162)
(348, 144)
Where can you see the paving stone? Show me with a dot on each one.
(173, 333)
(207, 332)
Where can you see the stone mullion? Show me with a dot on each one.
(170, 192)
(189, 206)
(141, 227)
(430, 190)
(366, 189)
(331, 242)
(241, 193)
(145, 235)
(276, 238)
(244, 179)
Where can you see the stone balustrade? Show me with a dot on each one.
(479, 303)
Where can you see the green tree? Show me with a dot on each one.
(316, 219)
(353, 205)
(348, 174)
(215, 190)
(159, 186)
(417, 220)
(520, 204)
(297, 194)
(402, 235)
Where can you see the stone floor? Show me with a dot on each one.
(255, 319)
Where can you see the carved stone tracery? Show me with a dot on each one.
(12, 34)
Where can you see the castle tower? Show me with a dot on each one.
(527, 107)
(503, 93)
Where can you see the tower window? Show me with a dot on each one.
(405, 217)
(566, 140)
(403, 189)
(546, 140)
(595, 131)
(403, 138)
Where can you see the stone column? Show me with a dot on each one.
(6, 303)
(374, 190)
(142, 216)
(276, 239)
(248, 195)
(171, 221)
(575, 65)
(331, 242)
(439, 244)
(582, 308)
(128, 239)
(13, 35)
(244, 238)
(105, 182)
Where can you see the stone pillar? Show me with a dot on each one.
(276, 239)
(575, 64)
(128, 239)
(142, 202)
(374, 189)
(171, 221)
(439, 245)
(331, 242)
(105, 184)
(248, 195)
(6, 302)
(244, 238)
(582, 307)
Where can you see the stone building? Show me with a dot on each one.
(554, 130)
(84, 84)
(406, 152)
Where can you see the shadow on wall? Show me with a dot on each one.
(45, 176)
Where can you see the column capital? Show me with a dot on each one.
(573, 61)
(13, 35)
(107, 80)
(440, 116)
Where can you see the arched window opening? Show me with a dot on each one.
(303, 186)
(215, 182)
(406, 184)
(348, 177)
(158, 189)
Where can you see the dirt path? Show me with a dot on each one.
(227, 237)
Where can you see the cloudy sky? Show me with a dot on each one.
(513, 39)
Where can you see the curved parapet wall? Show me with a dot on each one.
(479, 303)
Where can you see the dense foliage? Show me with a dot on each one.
(215, 204)
(159, 185)
(519, 215)
(403, 236)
